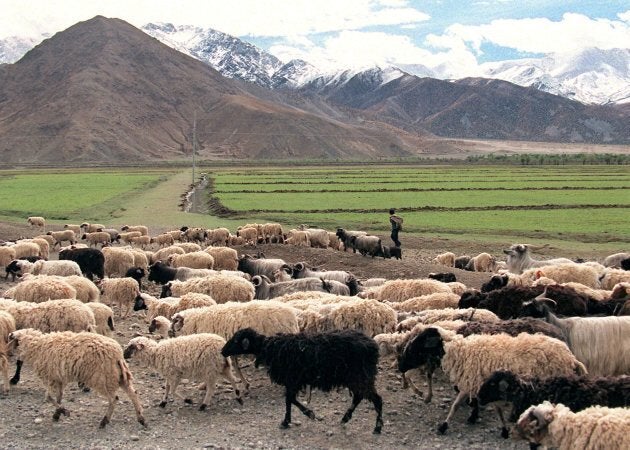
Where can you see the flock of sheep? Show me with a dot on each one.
(548, 339)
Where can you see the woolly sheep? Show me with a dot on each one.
(167, 307)
(4, 367)
(7, 254)
(318, 237)
(103, 317)
(117, 261)
(469, 361)
(7, 325)
(194, 260)
(90, 260)
(197, 357)
(601, 343)
(345, 237)
(300, 270)
(73, 227)
(219, 236)
(267, 317)
(556, 426)
(519, 259)
(92, 360)
(47, 238)
(61, 236)
(98, 237)
(163, 253)
(86, 291)
(36, 221)
(51, 315)
(141, 241)
(91, 227)
(401, 290)
(324, 361)
(271, 229)
(162, 240)
(265, 289)
(44, 247)
(576, 392)
(225, 258)
(122, 290)
(222, 288)
(435, 315)
(161, 325)
(61, 268)
(193, 234)
(298, 238)
(438, 300)
(483, 262)
(42, 288)
(564, 273)
(260, 266)
(249, 234)
(26, 249)
(612, 277)
(446, 259)
(615, 259)
(128, 236)
(144, 231)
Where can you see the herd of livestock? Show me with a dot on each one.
(547, 342)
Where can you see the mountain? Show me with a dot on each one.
(589, 76)
(14, 47)
(104, 91)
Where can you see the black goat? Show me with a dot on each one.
(506, 302)
(325, 361)
(161, 273)
(462, 261)
(137, 273)
(575, 392)
(90, 260)
(444, 277)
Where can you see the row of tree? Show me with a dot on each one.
(527, 159)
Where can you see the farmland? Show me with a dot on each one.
(570, 204)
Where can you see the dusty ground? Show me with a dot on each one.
(409, 422)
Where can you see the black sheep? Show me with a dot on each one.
(513, 327)
(90, 260)
(444, 277)
(625, 264)
(495, 282)
(161, 273)
(506, 302)
(325, 361)
(391, 252)
(461, 262)
(575, 392)
(567, 302)
(137, 273)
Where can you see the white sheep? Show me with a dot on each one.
(430, 316)
(144, 231)
(556, 426)
(42, 288)
(194, 260)
(299, 238)
(615, 259)
(222, 288)
(87, 227)
(97, 237)
(47, 238)
(264, 316)
(61, 236)
(249, 234)
(141, 241)
(122, 290)
(446, 259)
(483, 262)
(128, 236)
(86, 290)
(7, 254)
(469, 361)
(160, 325)
(51, 315)
(163, 253)
(225, 258)
(4, 367)
(169, 306)
(189, 247)
(196, 357)
(401, 290)
(117, 261)
(26, 249)
(103, 318)
(612, 277)
(163, 240)
(92, 360)
(7, 325)
(318, 237)
(563, 273)
(438, 300)
(218, 236)
(62, 268)
(73, 227)
(44, 247)
(36, 221)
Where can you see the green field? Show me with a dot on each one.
(581, 204)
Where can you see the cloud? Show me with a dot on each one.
(269, 18)
(625, 16)
(539, 35)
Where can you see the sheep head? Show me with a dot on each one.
(245, 341)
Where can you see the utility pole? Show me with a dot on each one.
(194, 145)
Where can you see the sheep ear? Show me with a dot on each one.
(245, 343)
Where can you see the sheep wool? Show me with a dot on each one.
(122, 290)
(88, 358)
(61, 268)
(556, 426)
(197, 357)
(438, 300)
(43, 288)
(52, 315)
(222, 288)
(225, 258)
(103, 317)
(401, 290)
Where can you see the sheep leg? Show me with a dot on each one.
(356, 399)
(307, 412)
(288, 401)
(111, 402)
(167, 390)
(133, 396)
(474, 414)
(229, 376)
(240, 373)
(211, 383)
(461, 396)
(430, 386)
(18, 369)
(57, 389)
(377, 400)
(504, 429)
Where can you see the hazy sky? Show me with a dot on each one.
(457, 34)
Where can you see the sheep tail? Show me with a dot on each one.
(125, 373)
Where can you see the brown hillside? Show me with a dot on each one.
(104, 91)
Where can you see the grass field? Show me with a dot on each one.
(580, 204)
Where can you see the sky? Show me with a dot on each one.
(454, 36)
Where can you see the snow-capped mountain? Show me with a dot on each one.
(14, 47)
(589, 76)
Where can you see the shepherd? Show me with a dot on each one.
(396, 222)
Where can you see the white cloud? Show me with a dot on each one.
(240, 18)
(539, 35)
(625, 16)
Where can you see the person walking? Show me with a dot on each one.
(396, 222)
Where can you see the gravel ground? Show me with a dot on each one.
(409, 422)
